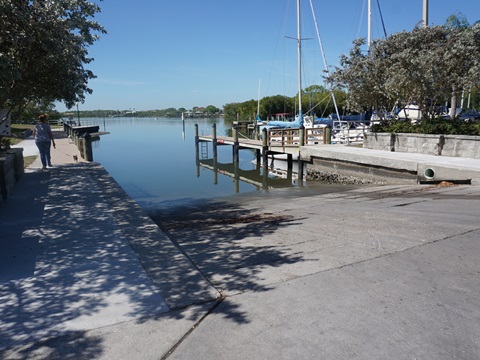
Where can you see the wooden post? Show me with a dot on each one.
(215, 171)
(300, 172)
(236, 176)
(301, 136)
(76, 137)
(80, 142)
(327, 135)
(264, 138)
(197, 150)
(236, 145)
(265, 150)
(290, 167)
(214, 142)
(88, 146)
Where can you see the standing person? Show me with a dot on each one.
(44, 139)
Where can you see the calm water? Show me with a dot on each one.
(154, 160)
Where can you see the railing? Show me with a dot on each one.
(291, 137)
(78, 122)
(284, 137)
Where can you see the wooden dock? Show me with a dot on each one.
(276, 141)
(283, 141)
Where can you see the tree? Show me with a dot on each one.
(241, 111)
(43, 51)
(313, 89)
(457, 21)
(318, 100)
(422, 67)
(271, 105)
(365, 78)
(211, 110)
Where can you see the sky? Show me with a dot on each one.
(160, 54)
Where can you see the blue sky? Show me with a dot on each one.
(185, 53)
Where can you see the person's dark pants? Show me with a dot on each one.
(44, 148)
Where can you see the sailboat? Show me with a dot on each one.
(298, 122)
(308, 122)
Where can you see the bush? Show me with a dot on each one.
(436, 126)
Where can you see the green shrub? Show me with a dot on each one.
(435, 126)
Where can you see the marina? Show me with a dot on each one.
(159, 162)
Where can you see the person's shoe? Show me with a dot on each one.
(44, 168)
(50, 165)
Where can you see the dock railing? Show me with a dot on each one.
(299, 137)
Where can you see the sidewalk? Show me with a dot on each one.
(372, 272)
(62, 155)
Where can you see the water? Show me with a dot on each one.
(154, 160)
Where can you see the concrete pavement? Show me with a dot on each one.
(63, 153)
(330, 272)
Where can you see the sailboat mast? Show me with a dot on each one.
(299, 40)
(369, 35)
(425, 13)
(324, 58)
(258, 99)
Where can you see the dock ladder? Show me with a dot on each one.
(204, 150)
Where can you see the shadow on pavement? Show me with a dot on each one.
(226, 242)
(78, 254)
(66, 266)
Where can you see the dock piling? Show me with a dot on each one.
(214, 142)
(236, 144)
(87, 147)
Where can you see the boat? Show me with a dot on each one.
(410, 111)
(298, 121)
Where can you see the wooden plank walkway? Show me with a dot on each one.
(276, 141)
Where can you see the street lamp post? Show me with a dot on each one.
(78, 115)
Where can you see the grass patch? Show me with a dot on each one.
(16, 136)
(28, 160)
(21, 127)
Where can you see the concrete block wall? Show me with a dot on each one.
(443, 145)
(11, 171)
(7, 175)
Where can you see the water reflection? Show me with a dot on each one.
(258, 177)
(154, 161)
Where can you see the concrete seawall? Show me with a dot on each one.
(462, 146)
(392, 166)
